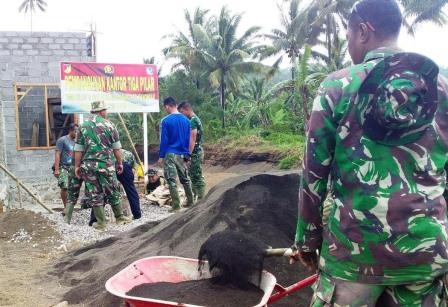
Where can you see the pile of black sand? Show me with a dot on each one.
(200, 292)
(262, 205)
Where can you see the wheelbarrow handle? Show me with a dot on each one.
(278, 252)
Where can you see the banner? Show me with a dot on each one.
(125, 88)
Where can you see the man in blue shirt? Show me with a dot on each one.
(174, 151)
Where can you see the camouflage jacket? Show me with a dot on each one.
(97, 138)
(195, 123)
(128, 157)
(388, 221)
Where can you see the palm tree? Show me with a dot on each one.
(296, 31)
(420, 11)
(31, 5)
(258, 98)
(183, 44)
(224, 57)
(304, 86)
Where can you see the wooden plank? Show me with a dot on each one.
(36, 84)
(47, 124)
(24, 187)
(51, 130)
(35, 134)
(17, 119)
(36, 148)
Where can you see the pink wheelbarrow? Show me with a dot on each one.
(176, 269)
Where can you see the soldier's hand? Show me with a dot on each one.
(119, 169)
(78, 172)
(159, 162)
(56, 173)
(308, 260)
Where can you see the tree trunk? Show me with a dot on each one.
(293, 76)
(329, 30)
(223, 100)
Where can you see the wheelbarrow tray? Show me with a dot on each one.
(168, 269)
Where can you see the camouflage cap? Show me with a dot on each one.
(152, 172)
(398, 99)
(98, 106)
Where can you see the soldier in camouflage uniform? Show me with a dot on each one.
(196, 150)
(378, 134)
(63, 167)
(97, 143)
(174, 152)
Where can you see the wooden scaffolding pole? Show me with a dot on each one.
(24, 187)
(130, 138)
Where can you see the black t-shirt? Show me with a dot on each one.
(150, 187)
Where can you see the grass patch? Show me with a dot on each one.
(289, 145)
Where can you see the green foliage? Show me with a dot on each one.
(244, 104)
(289, 162)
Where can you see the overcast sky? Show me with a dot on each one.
(130, 30)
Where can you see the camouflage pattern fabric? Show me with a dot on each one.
(101, 185)
(330, 291)
(74, 186)
(195, 173)
(128, 157)
(63, 177)
(197, 157)
(388, 223)
(195, 123)
(97, 138)
(173, 166)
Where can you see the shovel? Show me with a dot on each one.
(278, 252)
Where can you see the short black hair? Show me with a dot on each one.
(383, 15)
(169, 101)
(184, 105)
(72, 126)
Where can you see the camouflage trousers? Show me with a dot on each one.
(63, 178)
(101, 185)
(74, 186)
(174, 166)
(195, 172)
(330, 291)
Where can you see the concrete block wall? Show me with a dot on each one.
(31, 58)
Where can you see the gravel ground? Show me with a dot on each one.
(80, 233)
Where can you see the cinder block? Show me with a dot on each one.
(73, 52)
(54, 46)
(60, 41)
(46, 52)
(4, 52)
(32, 52)
(27, 46)
(47, 40)
(73, 40)
(17, 40)
(18, 52)
(67, 46)
(4, 40)
(11, 33)
(12, 46)
(32, 40)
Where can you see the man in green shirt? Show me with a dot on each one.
(97, 143)
(378, 138)
(196, 150)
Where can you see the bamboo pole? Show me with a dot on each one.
(130, 139)
(24, 187)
